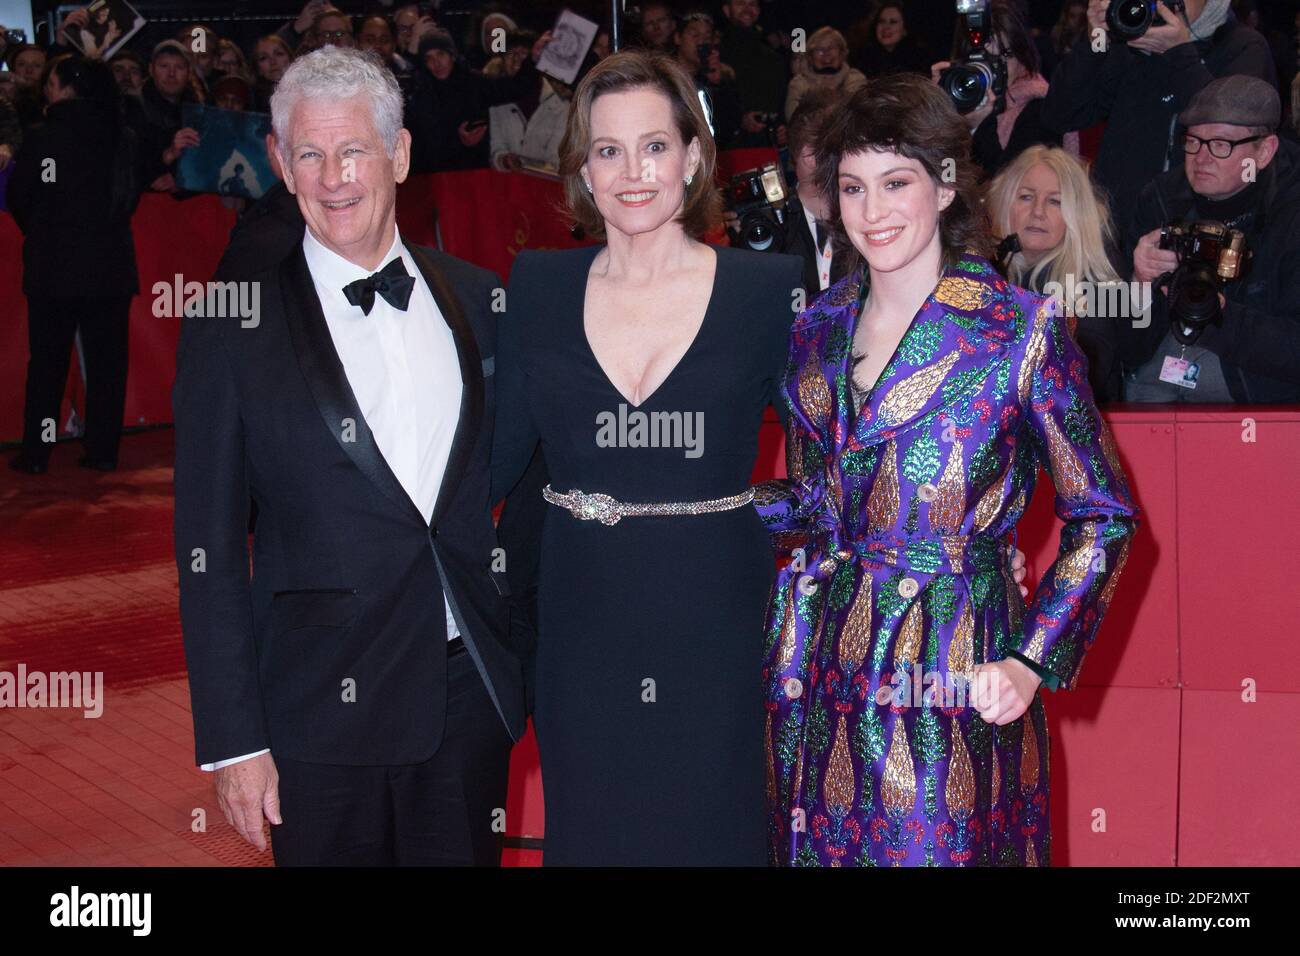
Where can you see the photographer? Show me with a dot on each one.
(1139, 86)
(1238, 172)
(761, 73)
(702, 59)
(807, 230)
(1003, 126)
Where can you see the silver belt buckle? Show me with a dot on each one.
(596, 506)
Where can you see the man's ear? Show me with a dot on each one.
(1268, 147)
(402, 156)
(277, 167)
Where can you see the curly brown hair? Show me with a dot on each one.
(632, 70)
(908, 114)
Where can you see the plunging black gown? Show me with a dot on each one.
(649, 709)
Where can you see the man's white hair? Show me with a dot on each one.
(334, 72)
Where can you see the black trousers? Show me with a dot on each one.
(447, 811)
(51, 325)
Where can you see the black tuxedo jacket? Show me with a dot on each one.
(332, 647)
(800, 241)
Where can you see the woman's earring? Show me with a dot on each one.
(688, 179)
(587, 183)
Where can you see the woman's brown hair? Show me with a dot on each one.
(908, 114)
(633, 70)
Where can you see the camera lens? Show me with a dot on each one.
(966, 86)
(1194, 295)
(758, 233)
(1129, 19)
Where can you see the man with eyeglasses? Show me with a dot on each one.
(1138, 87)
(332, 27)
(1236, 170)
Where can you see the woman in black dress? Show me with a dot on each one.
(644, 366)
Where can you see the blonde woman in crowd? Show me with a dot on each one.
(1046, 198)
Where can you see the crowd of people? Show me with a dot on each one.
(773, 72)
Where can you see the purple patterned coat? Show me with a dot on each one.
(898, 522)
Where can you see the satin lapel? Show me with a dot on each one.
(328, 382)
(943, 358)
(471, 377)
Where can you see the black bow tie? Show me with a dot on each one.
(393, 282)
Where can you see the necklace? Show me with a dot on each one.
(859, 394)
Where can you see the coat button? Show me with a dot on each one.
(908, 587)
(433, 534)
(927, 491)
(794, 688)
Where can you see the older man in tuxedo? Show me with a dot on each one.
(361, 686)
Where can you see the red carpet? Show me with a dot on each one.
(88, 583)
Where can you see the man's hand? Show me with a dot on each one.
(713, 67)
(307, 17)
(247, 791)
(423, 27)
(510, 162)
(79, 17)
(471, 137)
(540, 45)
(1150, 261)
(1097, 14)
(1018, 570)
(1003, 690)
(1163, 38)
(185, 137)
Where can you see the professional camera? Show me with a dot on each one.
(1209, 254)
(981, 73)
(759, 198)
(1129, 19)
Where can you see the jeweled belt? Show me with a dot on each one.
(609, 510)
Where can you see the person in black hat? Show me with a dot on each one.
(1237, 171)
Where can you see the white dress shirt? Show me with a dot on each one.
(823, 252)
(405, 374)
